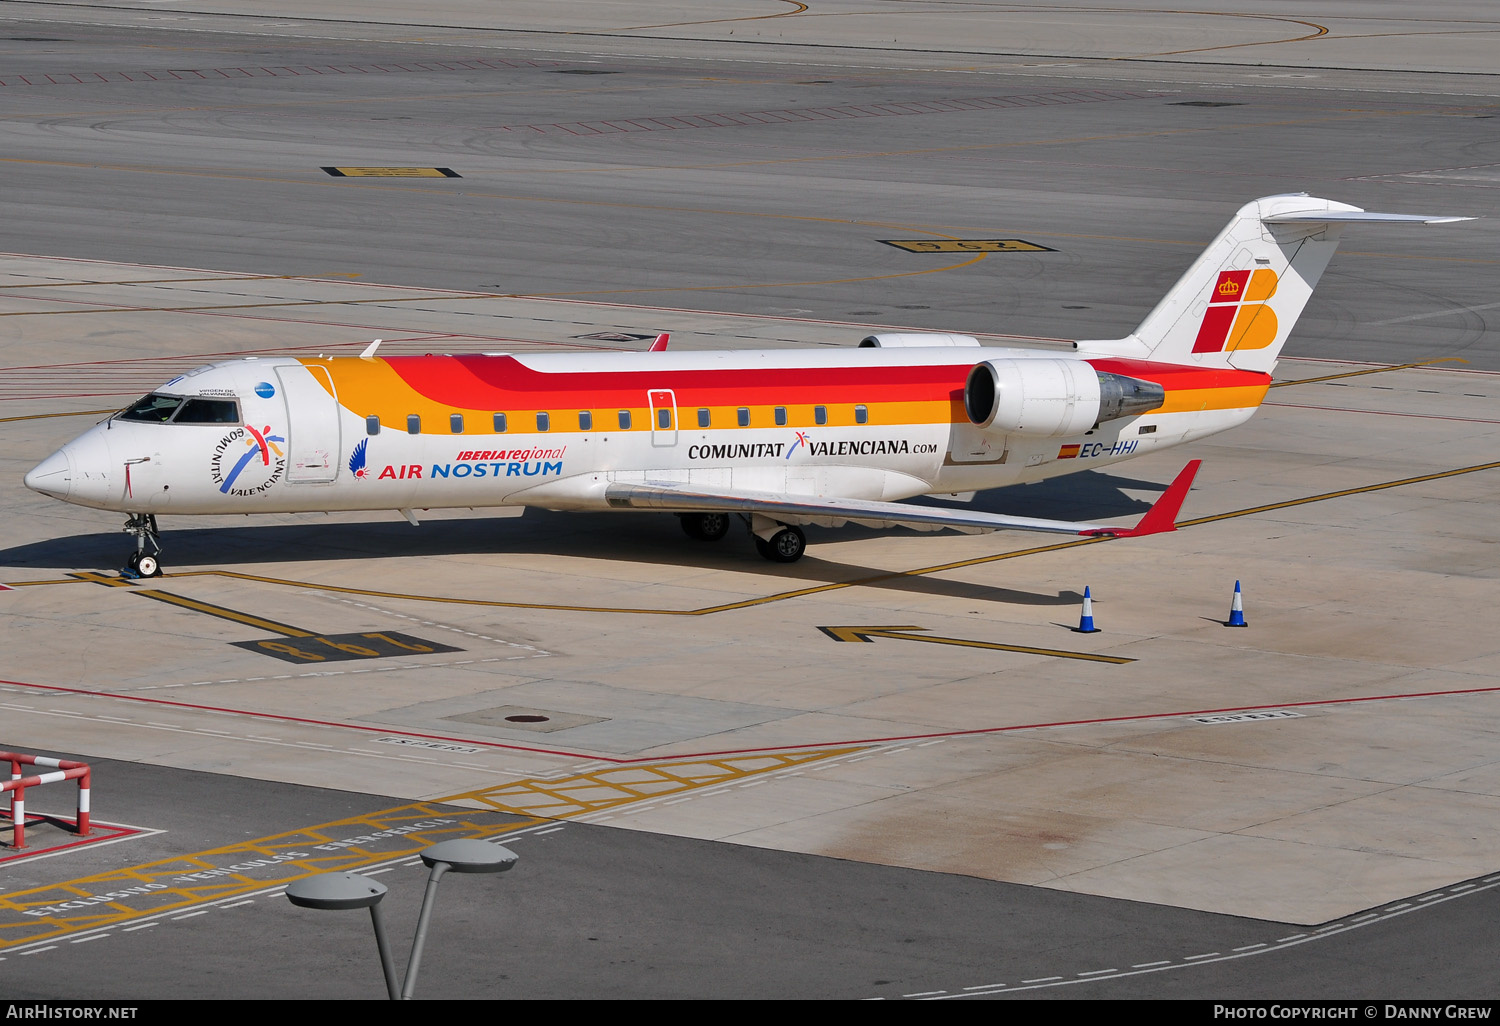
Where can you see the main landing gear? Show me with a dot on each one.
(704, 526)
(142, 563)
(785, 546)
(775, 541)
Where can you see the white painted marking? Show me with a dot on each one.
(190, 915)
(142, 926)
(924, 993)
(1210, 954)
(987, 986)
(1043, 979)
(1288, 940)
(1098, 972)
(1436, 313)
(1250, 947)
(1150, 965)
(85, 940)
(38, 951)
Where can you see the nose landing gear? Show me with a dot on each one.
(142, 563)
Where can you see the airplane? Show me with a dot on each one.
(782, 438)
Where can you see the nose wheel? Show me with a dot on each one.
(142, 563)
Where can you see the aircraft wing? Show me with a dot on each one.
(683, 498)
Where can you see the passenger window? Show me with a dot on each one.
(664, 417)
(456, 423)
(585, 420)
(413, 424)
(372, 425)
(861, 415)
(153, 409)
(208, 411)
(624, 420)
(820, 414)
(500, 423)
(744, 416)
(703, 418)
(781, 416)
(543, 422)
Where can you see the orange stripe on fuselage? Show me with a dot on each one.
(435, 387)
(1190, 389)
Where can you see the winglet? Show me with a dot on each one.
(369, 353)
(660, 344)
(1162, 516)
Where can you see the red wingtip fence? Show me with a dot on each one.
(17, 785)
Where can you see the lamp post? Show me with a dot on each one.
(462, 855)
(350, 890)
(343, 891)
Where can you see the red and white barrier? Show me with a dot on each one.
(17, 785)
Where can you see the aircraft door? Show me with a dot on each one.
(663, 405)
(313, 439)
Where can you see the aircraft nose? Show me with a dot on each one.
(53, 476)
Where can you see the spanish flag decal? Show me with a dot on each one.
(1068, 452)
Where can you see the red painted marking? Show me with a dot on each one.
(99, 832)
(1094, 721)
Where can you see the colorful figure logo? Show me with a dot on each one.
(1238, 316)
(247, 476)
(801, 440)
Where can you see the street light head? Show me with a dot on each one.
(335, 891)
(465, 855)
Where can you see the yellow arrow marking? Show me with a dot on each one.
(869, 634)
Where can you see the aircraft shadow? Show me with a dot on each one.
(631, 537)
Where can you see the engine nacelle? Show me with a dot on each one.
(915, 340)
(1052, 398)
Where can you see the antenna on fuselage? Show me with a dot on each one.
(369, 353)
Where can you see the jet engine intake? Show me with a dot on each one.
(1052, 398)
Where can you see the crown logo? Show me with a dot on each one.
(1229, 288)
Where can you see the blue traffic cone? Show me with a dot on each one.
(1086, 621)
(1236, 610)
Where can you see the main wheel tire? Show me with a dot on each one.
(147, 566)
(785, 546)
(704, 526)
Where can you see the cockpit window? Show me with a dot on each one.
(208, 411)
(157, 408)
(153, 409)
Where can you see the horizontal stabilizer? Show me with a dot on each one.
(1356, 217)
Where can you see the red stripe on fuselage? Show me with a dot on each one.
(496, 382)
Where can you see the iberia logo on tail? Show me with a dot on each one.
(1238, 316)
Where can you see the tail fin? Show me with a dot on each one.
(1241, 298)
